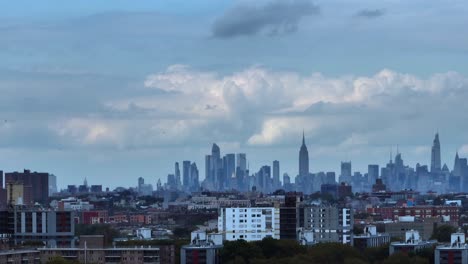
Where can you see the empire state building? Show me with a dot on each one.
(303, 159)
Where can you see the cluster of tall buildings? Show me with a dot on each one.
(224, 173)
(187, 181)
(231, 172)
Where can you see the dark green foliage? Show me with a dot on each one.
(401, 258)
(240, 250)
(442, 233)
(290, 252)
(280, 248)
(182, 232)
(61, 260)
(357, 230)
(334, 253)
(376, 255)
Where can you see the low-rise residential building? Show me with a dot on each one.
(455, 253)
(370, 238)
(203, 249)
(449, 212)
(412, 243)
(74, 204)
(425, 227)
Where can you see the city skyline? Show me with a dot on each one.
(183, 181)
(98, 91)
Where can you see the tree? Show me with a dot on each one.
(280, 248)
(377, 254)
(240, 248)
(61, 260)
(182, 232)
(442, 233)
(402, 258)
(334, 253)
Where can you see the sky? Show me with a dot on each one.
(116, 90)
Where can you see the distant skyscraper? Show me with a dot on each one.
(52, 184)
(216, 166)
(241, 171)
(171, 182)
(286, 179)
(141, 182)
(241, 162)
(194, 181)
(208, 176)
(229, 165)
(346, 172)
(186, 173)
(435, 155)
(372, 173)
(303, 159)
(276, 173)
(263, 178)
(178, 182)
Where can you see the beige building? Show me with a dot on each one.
(15, 193)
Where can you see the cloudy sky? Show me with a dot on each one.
(115, 92)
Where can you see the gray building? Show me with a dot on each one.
(346, 172)
(412, 243)
(328, 223)
(52, 184)
(203, 249)
(454, 253)
(276, 175)
(186, 174)
(53, 228)
(370, 238)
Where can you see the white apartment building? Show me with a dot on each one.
(249, 223)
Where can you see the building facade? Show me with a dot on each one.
(249, 223)
(203, 249)
(52, 228)
(455, 253)
(328, 223)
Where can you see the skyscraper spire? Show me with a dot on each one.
(435, 154)
(303, 137)
(303, 158)
(391, 155)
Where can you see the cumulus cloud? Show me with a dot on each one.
(275, 17)
(259, 107)
(183, 107)
(370, 13)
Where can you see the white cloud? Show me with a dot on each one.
(257, 106)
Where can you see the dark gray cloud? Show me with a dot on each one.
(370, 13)
(275, 17)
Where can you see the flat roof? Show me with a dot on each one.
(11, 252)
(102, 249)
